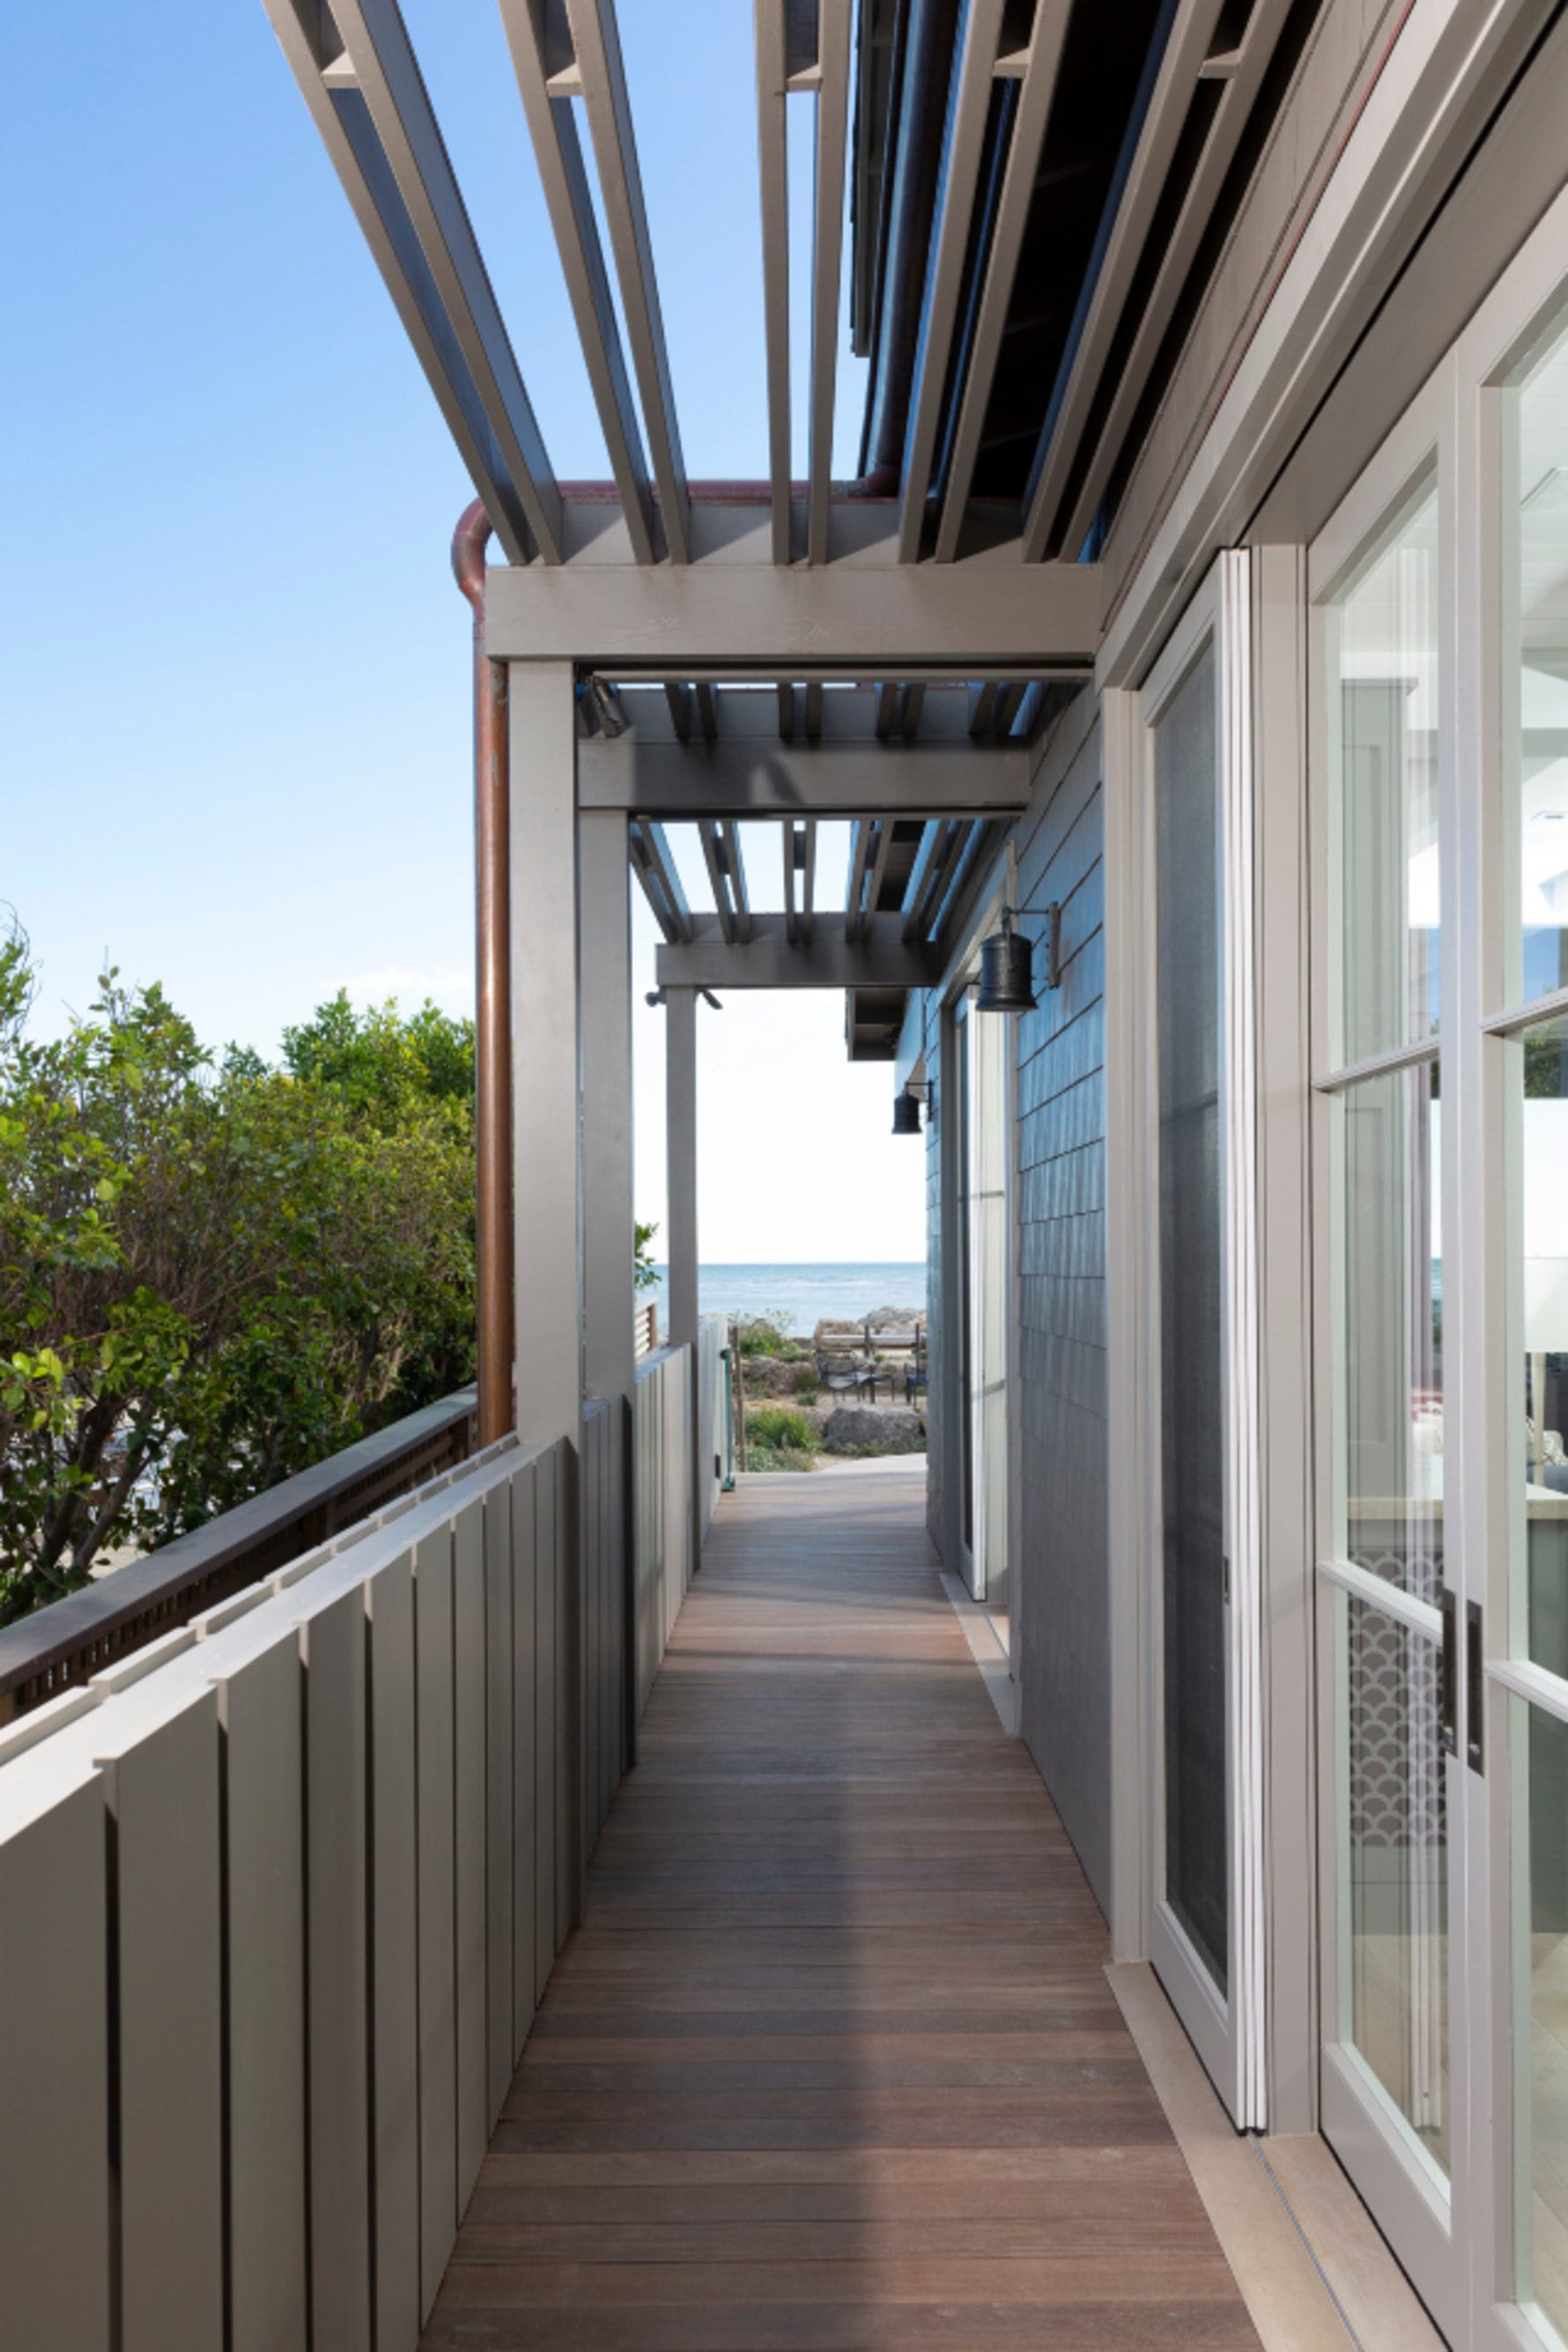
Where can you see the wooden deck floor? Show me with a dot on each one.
(832, 2065)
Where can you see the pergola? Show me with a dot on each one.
(1037, 187)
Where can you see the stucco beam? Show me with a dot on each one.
(763, 777)
(878, 616)
(770, 959)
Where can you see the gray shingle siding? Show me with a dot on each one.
(1064, 1465)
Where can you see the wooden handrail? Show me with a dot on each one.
(59, 1647)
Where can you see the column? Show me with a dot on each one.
(545, 1147)
(680, 1145)
(544, 1023)
(609, 1359)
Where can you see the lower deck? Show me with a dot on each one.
(833, 2064)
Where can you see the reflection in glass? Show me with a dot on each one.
(1541, 2014)
(1187, 965)
(1535, 498)
(1382, 718)
(1389, 1277)
(991, 1037)
(1538, 1158)
(1393, 1896)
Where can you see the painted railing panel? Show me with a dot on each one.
(281, 1891)
(279, 1894)
(663, 1544)
(605, 1538)
(59, 1647)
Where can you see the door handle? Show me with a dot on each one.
(1448, 1678)
(1474, 1688)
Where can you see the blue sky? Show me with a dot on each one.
(233, 666)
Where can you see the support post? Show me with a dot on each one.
(545, 1031)
(496, 1275)
(609, 1363)
(544, 1050)
(681, 1146)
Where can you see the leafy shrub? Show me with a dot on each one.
(756, 1335)
(212, 1276)
(778, 1457)
(806, 1384)
(780, 1426)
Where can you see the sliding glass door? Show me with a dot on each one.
(1201, 1344)
(1440, 597)
(983, 1043)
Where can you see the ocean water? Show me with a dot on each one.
(797, 1296)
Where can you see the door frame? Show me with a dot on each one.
(1229, 2030)
(1401, 2185)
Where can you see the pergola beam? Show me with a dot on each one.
(764, 777)
(660, 883)
(553, 128)
(966, 146)
(773, 159)
(369, 104)
(1031, 115)
(833, 31)
(596, 39)
(770, 959)
(976, 618)
(1060, 468)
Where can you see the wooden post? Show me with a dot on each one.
(545, 1033)
(609, 1280)
(680, 1145)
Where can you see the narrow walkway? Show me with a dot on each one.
(832, 2065)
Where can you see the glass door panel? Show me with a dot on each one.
(1394, 1901)
(1191, 1429)
(1540, 1999)
(1524, 1010)
(1387, 2095)
(1388, 1485)
(1205, 1542)
(1534, 416)
(1383, 758)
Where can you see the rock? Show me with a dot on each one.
(873, 1429)
(900, 1319)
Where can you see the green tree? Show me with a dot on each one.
(210, 1278)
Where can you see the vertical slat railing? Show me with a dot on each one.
(278, 1898)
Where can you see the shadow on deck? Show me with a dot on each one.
(831, 2064)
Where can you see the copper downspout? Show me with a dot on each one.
(492, 1027)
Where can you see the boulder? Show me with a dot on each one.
(901, 1319)
(874, 1429)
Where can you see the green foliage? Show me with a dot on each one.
(779, 1457)
(644, 1274)
(380, 1063)
(759, 1335)
(806, 1384)
(209, 1279)
(781, 1427)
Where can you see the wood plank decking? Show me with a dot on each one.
(831, 2064)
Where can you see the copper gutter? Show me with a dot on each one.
(496, 1311)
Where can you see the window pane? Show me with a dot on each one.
(1192, 1429)
(1536, 474)
(1393, 1896)
(1382, 738)
(1388, 1272)
(1538, 1289)
(1542, 2012)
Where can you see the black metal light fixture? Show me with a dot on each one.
(906, 1113)
(1007, 970)
(1007, 957)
